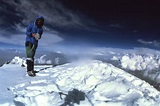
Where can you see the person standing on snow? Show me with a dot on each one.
(34, 32)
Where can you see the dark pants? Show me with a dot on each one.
(30, 52)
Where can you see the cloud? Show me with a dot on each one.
(48, 39)
(145, 42)
(53, 11)
(17, 14)
(115, 26)
(149, 43)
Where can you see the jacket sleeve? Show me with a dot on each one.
(29, 30)
(40, 33)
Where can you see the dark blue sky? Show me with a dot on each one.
(121, 22)
(109, 23)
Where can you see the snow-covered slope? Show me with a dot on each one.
(100, 84)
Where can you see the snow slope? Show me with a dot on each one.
(100, 84)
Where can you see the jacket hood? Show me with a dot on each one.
(41, 18)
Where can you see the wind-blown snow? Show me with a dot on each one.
(102, 83)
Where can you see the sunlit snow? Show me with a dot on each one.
(98, 83)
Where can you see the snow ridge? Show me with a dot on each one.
(102, 83)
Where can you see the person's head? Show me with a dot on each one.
(40, 21)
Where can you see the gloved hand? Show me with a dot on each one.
(37, 36)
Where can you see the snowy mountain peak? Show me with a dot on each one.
(17, 60)
(102, 83)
